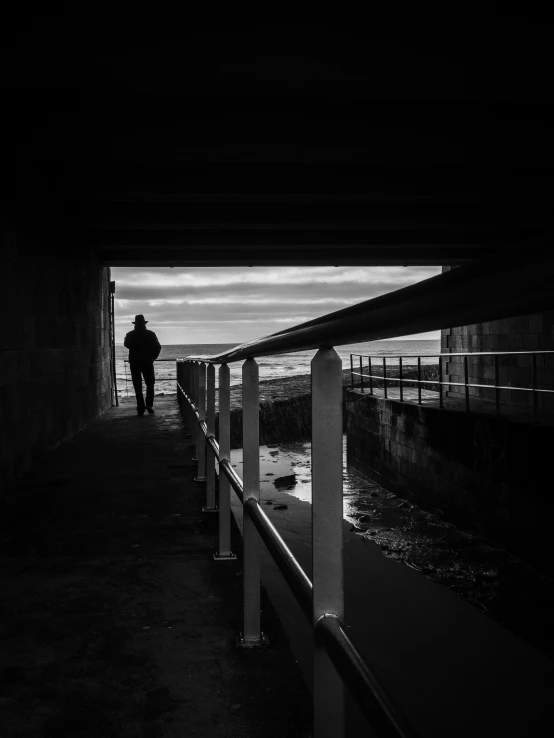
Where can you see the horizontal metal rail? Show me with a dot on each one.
(459, 384)
(460, 353)
(496, 386)
(379, 711)
(159, 379)
(347, 660)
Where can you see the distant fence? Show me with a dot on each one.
(534, 368)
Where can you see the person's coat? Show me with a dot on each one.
(143, 346)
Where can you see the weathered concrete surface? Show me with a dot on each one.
(54, 348)
(116, 621)
(285, 410)
(485, 472)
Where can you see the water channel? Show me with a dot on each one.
(499, 584)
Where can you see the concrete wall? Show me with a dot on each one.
(524, 333)
(484, 472)
(283, 421)
(54, 344)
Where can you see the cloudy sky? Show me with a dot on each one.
(236, 304)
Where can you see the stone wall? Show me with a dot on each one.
(485, 473)
(282, 421)
(524, 333)
(55, 355)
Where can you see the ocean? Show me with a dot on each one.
(271, 367)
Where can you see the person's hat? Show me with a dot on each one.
(139, 319)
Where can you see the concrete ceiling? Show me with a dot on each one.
(183, 140)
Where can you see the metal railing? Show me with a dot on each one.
(441, 383)
(520, 282)
(161, 379)
(336, 659)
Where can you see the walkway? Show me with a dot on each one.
(116, 621)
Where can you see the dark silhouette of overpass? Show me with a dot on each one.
(190, 140)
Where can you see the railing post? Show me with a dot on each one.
(210, 424)
(400, 382)
(466, 379)
(200, 438)
(186, 405)
(361, 375)
(178, 381)
(183, 368)
(385, 376)
(251, 635)
(370, 370)
(194, 400)
(534, 379)
(419, 380)
(224, 543)
(352, 371)
(496, 383)
(327, 515)
(441, 403)
(183, 373)
(192, 426)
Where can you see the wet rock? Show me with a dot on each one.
(270, 474)
(281, 507)
(268, 502)
(288, 481)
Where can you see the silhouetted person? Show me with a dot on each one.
(144, 349)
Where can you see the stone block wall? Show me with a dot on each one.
(485, 473)
(523, 333)
(54, 349)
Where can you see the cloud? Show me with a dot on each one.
(236, 304)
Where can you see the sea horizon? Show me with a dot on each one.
(272, 367)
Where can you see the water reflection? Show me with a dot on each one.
(486, 575)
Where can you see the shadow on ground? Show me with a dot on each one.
(115, 620)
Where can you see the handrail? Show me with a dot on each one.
(448, 382)
(521, 281)
(295, 576)
(512, 283)
(380, 712)
(347, 660)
